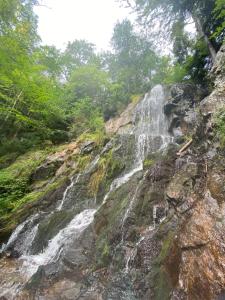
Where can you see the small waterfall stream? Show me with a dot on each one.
(57, 244)
(65, 194)
(151, 124)
(150, 129)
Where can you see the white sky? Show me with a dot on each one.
(66, 20)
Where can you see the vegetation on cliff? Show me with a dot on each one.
(49, 96)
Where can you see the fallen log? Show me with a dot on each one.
(185, 147)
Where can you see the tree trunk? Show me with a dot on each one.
(13, 106)
(202, 34)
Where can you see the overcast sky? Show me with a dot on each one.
(61, 21)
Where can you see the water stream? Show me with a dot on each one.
(150, 130)
(65, 194)
(58, 244)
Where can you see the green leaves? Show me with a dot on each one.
(219, 14)
(134, 58)
(86, 117)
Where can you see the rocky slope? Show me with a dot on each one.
(144, 214)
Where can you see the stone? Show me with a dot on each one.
(216, 185)
(181, 184)
(181, 107)
(216, 100)
(122, 123)
(87, 147)
(47, 170)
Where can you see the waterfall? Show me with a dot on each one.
(150, 128)
(150, 132)
(151, 124)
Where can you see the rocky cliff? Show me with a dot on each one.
(140, 215)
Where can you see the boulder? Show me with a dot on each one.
(87, 147)
(121, 124)
(216, 100)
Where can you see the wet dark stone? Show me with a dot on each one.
(46, 171)
(87, 147)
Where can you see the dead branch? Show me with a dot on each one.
(185, 147)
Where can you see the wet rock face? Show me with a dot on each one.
(201, 272)
(87, 147)
(47, 170)
(57, 163)
(123, 123)
(218, 69)
(182, 184)
(216, 99)
(181, 107)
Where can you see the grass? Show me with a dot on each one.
(15, 180)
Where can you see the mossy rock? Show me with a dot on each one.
(108, 222)
(29, 204)
(165, 271)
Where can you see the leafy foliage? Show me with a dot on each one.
(15, 180)
(219, 15)
(86, 117)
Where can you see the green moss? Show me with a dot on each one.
(166, 246)
(98, 137)
(163, 286)
(112, 214)
(136, 98)
(108, 168)
(160, 277)
(7, 159)
(31, 197)
(102, 253)
(15, 180)
(16, 191)
(95, 181)
(148, 163)
(82, 162)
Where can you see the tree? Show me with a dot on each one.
(52, 61)
(88, 82)
(219, 15)
(78, 53)
(133, 60)
(168, 12)
(181, 41)
(31, 108)
(86, 117)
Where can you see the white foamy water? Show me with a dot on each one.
(150, 124)
(17, 231)
(66, 192)
(55, 246)
(118, 182)
(131, 255)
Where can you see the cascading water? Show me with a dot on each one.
(57, 244)
(65, 194)
(151, 134)
(150, 130)
(151, 124)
